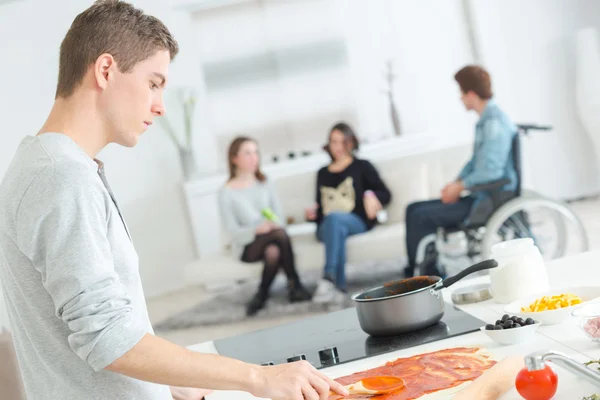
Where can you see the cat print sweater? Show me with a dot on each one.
(343, 191)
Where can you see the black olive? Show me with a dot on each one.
(498, 322)
(498, 327)
(529, 321)
(490, 327)
(514, 319)
(505, 317)
(521, 321)
(508, 324)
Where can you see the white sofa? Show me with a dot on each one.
(411, 178)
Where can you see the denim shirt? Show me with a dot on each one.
(492, 157)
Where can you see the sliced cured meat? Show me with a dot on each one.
(426, 373)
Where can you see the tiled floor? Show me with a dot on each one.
(159, 308)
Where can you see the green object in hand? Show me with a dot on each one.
(269, 214)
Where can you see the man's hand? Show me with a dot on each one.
(372, 205)
(451, 192)
(444, 193)
(181, 393)
(295, 381)
(156, 360)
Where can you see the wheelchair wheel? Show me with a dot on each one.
(554, 228)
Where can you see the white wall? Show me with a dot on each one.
(585, 13)
(295, 110)
(286, 100)
(425, 62)
(528, 48)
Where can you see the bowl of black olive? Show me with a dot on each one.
(510, 330)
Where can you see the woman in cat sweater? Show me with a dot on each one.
(350, 193)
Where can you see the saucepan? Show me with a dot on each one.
(407, 305)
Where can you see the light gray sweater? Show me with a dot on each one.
(241, 212)
(70, 275)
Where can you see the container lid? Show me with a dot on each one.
(512, 247)
(472, 294)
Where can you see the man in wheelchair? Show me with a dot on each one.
(490, 175)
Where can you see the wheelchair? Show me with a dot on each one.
(504, 215)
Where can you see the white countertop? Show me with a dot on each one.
(579, 270)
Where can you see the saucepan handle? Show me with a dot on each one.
(487, 264)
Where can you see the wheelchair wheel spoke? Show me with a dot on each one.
(523, 229)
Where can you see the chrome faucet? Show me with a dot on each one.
(537, 361)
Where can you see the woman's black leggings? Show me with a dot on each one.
(275, 249)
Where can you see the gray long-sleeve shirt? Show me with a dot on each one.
(241, 212)
(70, 275)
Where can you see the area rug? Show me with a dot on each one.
(230, 306)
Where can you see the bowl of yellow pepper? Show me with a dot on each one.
(553, 307)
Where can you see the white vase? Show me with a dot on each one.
(587, 85)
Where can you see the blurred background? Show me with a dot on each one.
(284, 71)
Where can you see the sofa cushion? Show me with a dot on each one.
(408, 182)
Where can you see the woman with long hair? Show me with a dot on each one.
(350, 194)
(252, 215)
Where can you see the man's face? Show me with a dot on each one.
(468, 99)
(133, 99)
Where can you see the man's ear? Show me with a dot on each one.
(103, 67)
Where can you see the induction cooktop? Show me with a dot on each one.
(336, 338)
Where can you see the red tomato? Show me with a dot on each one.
(537, 385)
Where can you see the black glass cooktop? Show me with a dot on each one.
(336, 338)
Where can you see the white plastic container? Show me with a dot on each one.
(521, 271)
